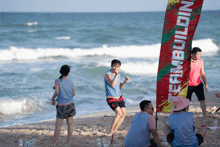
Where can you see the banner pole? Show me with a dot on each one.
(156, 120)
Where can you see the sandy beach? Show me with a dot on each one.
(87, 128)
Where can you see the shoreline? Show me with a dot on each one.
(89, 127)
(88, 115)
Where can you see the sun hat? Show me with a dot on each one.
(179, 103)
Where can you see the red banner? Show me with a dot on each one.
(181, 19)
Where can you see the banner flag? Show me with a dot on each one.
(181, 19)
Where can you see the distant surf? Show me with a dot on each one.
(63, 38)
(32, 23)
(132, 51)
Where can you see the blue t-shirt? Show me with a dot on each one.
(139, 133)
(182, 125)
(113, 91)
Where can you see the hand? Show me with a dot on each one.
(52, 101)
(127, 79)
(218, 95)
(206, 88)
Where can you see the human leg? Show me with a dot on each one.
(69, 122)
(203, 106)
(168, 133)
(166, 129)
(189, 94)
(57, 130)
(117, 117)
(70, 112)
(199, 91)
(200, 134)
(121, 119)
(153, 143)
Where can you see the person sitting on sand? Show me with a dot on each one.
(64, 91)
(181, 129)
(114, 98)
(218, 94)
(142, 125)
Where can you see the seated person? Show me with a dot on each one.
(218, 94)
(142, 125)
(182, 125)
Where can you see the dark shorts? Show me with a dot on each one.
(199, 91)
(66, 111)
(170, 138)
(114, 103)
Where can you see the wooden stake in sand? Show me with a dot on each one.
(112, 138)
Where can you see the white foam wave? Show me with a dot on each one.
(138, 68)
(63, 38)
(206, 45)
(10, 106)
(147, 51)
(32, 23)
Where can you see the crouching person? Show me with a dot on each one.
(181, 129)
(142, 125)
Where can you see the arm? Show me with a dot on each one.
(112, 83)
(153, 131)
(123, 84)
(204, 79)
(218, 94)
(74, 89)
(156, 137)
(55, 93)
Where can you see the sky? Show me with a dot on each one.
(92, 5)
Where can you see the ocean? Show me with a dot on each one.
(33, 47)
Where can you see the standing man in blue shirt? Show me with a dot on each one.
(113, 86)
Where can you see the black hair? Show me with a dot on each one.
(144, 104)
(115, 61)
(195, 50)
(64, 71)
(184, 109)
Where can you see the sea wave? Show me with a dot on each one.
(147, 51)
(11, 107)
(63, 38)
(137, 68)
(32, 23)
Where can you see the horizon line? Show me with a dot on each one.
(90, 11)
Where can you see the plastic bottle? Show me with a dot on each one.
(27, 144)
(30, 143)
(20, 142)
(215, 123)
(104, 143)
(99, 142)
